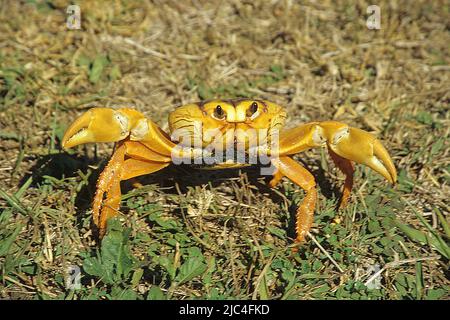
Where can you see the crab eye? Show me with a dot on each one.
(252, 110)
(219, 113)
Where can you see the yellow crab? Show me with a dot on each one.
(222, 134)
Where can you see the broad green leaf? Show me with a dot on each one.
(114, 261)
(93, 266)
(155, 293)
(194, 252)
(115, 254)
(164, 223)
(118, 293)
(322, 289)
(435, 294)
(190, 269)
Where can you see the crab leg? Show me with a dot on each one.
(303, 178)
(143, 148)
(345, 145)
(347, 142)
(347, 167)
(135, 167)
(119, 169)
(107, 207)
(276, 179)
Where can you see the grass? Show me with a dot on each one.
(221, 235)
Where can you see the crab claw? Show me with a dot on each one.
(361, 147)
(98, 125)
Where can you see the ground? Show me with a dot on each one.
(189, 235)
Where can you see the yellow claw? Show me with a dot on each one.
(101, 125)
(361, 147)
(347, 142)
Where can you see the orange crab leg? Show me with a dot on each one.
(276, 179)
(119, 169)
(138, 150)
(143, 148)
(305, 180)
(109, 183)
(135, 167)
(347, 167)
(345, 144)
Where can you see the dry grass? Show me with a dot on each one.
(317, 59)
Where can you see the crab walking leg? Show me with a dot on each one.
(347, 142)
(110, 207)
(130, 168)
(119, 169)
(142, 160)
(305, 180)
(109, 183)
(104, 209)
(276, 179)
(135, 167)
(138, 150)
(347, 167)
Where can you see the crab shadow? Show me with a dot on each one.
(174, 180)
(57, 166)
(54, 168)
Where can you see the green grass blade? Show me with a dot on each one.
(443, 222)
(13, 202)
(421, 237)
(23, 188)
(419, 280)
